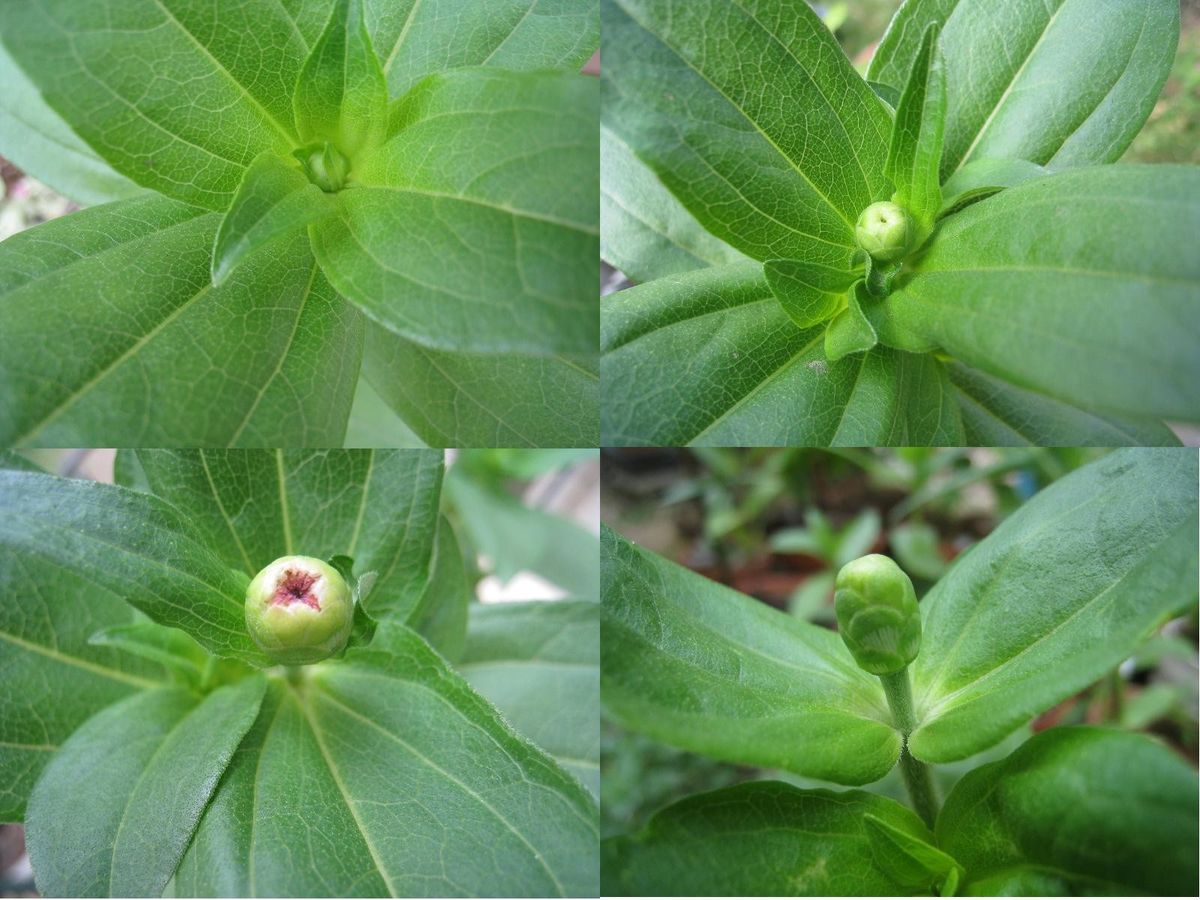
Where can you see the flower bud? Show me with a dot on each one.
(324, 165)
(299, 610)
(884, 231)
(877, 614)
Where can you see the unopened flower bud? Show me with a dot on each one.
(884, 231)
(877, 614)
(299, 610)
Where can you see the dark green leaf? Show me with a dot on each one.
(915, 154)
(752, 116)
(1059, 594)
(764, 838)
(441, 617)
(539, 662)
(116, 807)
(1077, 811)
(809, 293)
(904, 857)
(692, 663)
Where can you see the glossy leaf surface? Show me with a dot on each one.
(764, 838)
(1059, 594)
(1079, 286)
(699, 666)
(707, 91)
(539, 663)
(378, 507)
(1077, 811)
(460, 249)
(136, 777)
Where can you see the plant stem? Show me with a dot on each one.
(918, 777)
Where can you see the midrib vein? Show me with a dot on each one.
(61, 657)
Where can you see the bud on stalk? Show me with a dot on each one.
(877, 614)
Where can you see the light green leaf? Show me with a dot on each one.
(850, 331)
(138, 348)
(723, 101)
(1076, 811)
(485, 399)
(170, 648)
(461, 249)
(136, 778)
(36, 140)
(341, 96)
(170, 92)
(539, 662)
(808, 292)
(764, 838)
(996, 413)
(1080, 286)
(915, 153)
(710, 358)
(389, 774)
(916, 547)
(274, 200)
(441, 617)
(906, 858)
(692, 663)
(644, 231)
(417, 37)
(1059, 594)
(1074, 85)
(373, 423)
(378, 507)
(984, 177)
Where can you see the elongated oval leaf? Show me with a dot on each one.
(764, 838)
(441, 617)
(1076, 811)
(809, 293)
(114, 811)
(692, 663)
(1081, 286)
(915, 153)
(1056, 596)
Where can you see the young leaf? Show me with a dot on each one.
(460, 249)
(145, 350)
(539, 663)
(850, 332)
(1076, 811)
(341, 96)
(802, 843)
(915, 154)
(906, 858)
(809, 293)
(982, 178)
(1080, 286)
(137, 776)
(378, 507)
(139, 81)
(273, 201)
(1055, 597)
(706, 92)
(441, 617)
(734, 679)
(171, 648)
(485, 399)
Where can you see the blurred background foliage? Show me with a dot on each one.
(777, 524)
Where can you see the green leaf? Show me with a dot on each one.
(539, 662)
(1050, 97)
(274, 200)
(723, 101)
(850, 331)
(37, 141)
(387, 774)
(138, 348)
(644, 231)
(461, 249)
(379, 507)
(893, 60)
(341, 95)
(692, 663)
(980, 179)
(133, 546)
(906, 858)
(1060, 593)
(710, 358)
(915, 153)
(417, 37)
(808, 292)
(455, 399)
(136, 778)
(1077, 811)
(441, 617)
(916, 547)
(169, 92)
(996, 413)
(764, 838)
(171, 648)
(373, 423)
(1080, 286)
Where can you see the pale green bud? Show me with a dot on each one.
(877, 614)
(324, 165)
(884, 231)
(299, 610)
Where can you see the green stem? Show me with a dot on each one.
(918, 777)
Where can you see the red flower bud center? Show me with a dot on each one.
(295, 586)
